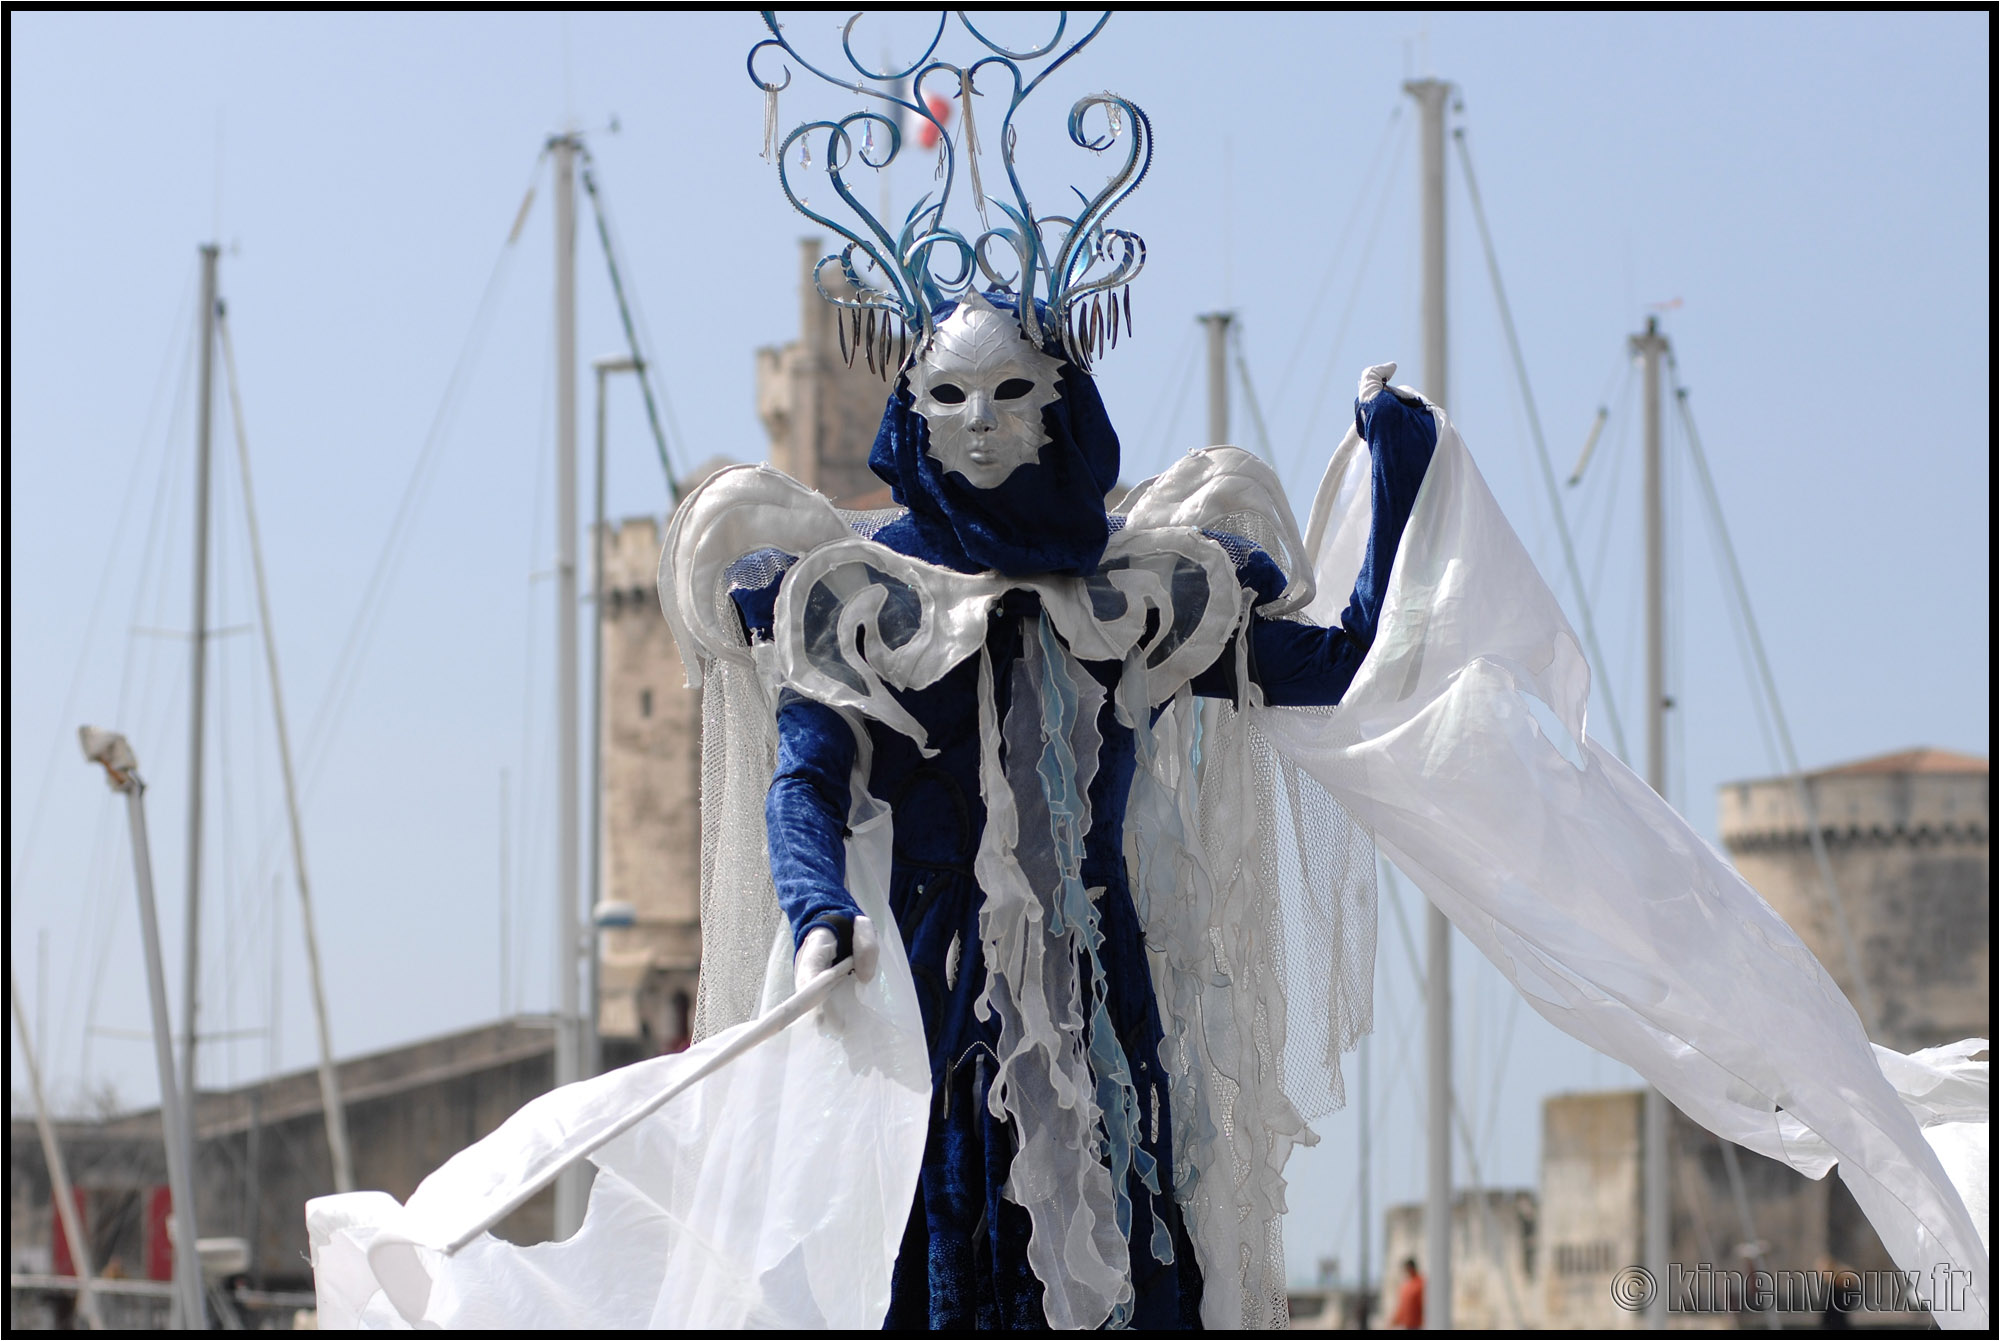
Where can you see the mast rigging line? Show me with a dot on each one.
(322, 730)
(21, 863)
(106, 926)
(1399, 1025)
(153, 570)
(1492, 1121)
(1458, 1119)
(1250, 395)
(1353, 298)
(330, 1101)
(1541, 445)
(1603, 414)
(1761, 709)
(599, 211)
(1180, 400)
(1674, 616)
(153, 689)
(1864, 993)
(1175, 374)
(23, 857)
(527, 830)
(52, 1157)
(1340, 247)
(219, 967)
(1608, 492)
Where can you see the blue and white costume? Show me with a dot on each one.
(1085, 779)
(1072, 667)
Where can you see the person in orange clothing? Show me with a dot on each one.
(1409, 1312)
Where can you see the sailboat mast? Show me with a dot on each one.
(1430, 95)
(198, 672)
(121, 770)
(52, 1156)
(1648, 347)
(1363, 1295)
(572, 1188)
(1218, 374)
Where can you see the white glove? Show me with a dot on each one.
(1373, 380)
(816, 953)
(816, 956)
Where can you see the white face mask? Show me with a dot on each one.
(981, 388)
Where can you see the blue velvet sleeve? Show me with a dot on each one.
(1299, 665)
(805, 814)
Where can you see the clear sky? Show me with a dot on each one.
(1811, 190)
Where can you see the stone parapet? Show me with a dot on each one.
(1909, 842)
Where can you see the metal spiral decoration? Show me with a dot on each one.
(1071, 274)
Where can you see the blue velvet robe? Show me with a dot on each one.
(964, 1260)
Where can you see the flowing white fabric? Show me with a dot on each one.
(772, 1194)
(1462, 746)
(775, 1192)
(1950, 1096)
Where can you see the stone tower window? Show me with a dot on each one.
(645, 703)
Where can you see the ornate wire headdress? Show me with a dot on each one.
(1076, 267)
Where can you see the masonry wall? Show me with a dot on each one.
(262, 1152)
(1591, 1221)
(1593, 1215)
(651, 751)
(1911, 855)
(820, 414)
(1495, 1256)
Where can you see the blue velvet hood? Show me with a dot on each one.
(1047, 517)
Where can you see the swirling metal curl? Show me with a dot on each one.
(1066, 265)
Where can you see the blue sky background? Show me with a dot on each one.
(1812, 188)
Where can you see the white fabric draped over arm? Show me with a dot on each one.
(1462, 746)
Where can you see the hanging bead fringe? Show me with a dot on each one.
(970, 144)
(770, 121)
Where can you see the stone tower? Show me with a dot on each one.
(821, 414)
(651, 743)
(1912, 858)
(821, 417)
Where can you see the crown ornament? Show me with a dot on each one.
(1070, 275)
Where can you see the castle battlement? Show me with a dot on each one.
(1908, 838)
